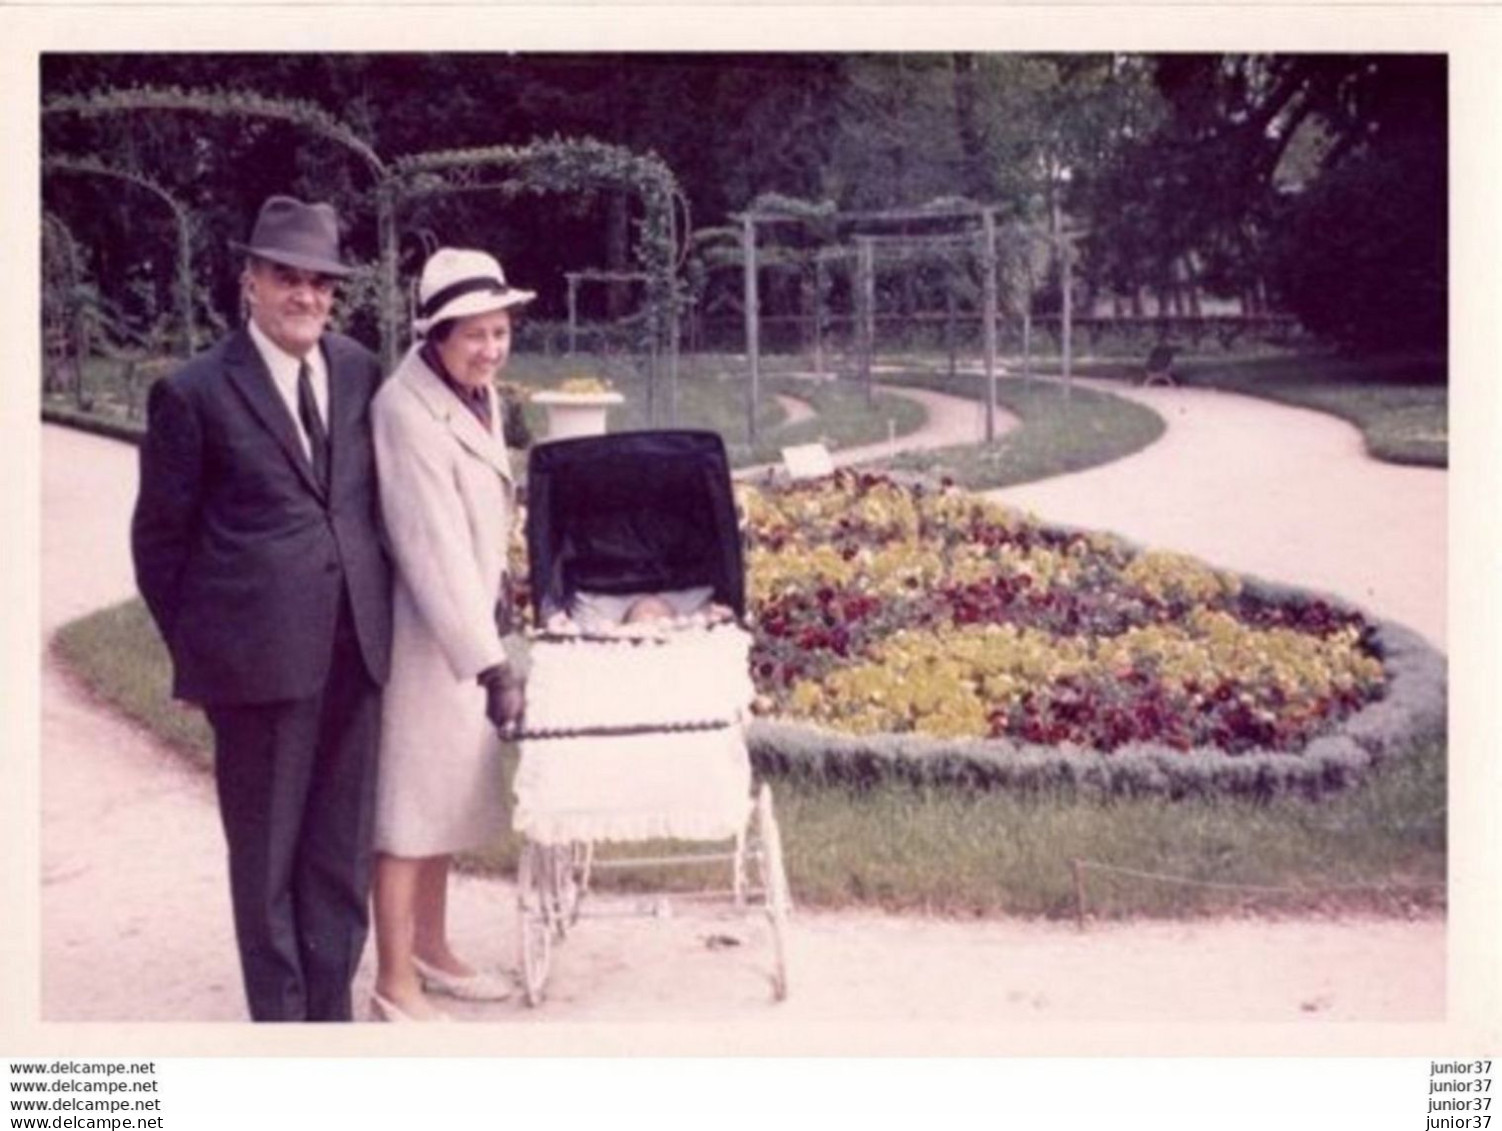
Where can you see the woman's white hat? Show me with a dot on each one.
(457, 282)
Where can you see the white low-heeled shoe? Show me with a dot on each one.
(385, 1009)
(479, 986)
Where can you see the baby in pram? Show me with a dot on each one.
(611, 614)
(647, 608)
(640, 668)
(640, 674)
(633, 726)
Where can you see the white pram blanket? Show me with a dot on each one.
(602, 760)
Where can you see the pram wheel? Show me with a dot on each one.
(550, 883)
(774, 887)
(536, 933)
(573, 865)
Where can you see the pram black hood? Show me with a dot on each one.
(632, 512)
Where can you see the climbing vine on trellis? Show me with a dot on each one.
(64, 332)
(563, 166)
(973, 228)
(577, 166)
(223, 103)
(181, 215)
(555, 165)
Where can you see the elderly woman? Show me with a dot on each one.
(448, 501)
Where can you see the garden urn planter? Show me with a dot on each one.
(576, 414)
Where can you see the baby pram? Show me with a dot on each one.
(636, 734)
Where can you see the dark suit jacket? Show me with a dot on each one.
(241, 558)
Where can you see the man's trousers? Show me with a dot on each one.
(296, 782)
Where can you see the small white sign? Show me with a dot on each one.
(807, 461)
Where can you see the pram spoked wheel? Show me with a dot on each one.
(768, 853)
(550, 882)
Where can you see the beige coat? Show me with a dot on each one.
(448, 502)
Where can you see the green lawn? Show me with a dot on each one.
(1401, 403)
(1061, 431)
(1058, 433)
(961, 852)
(711, 394)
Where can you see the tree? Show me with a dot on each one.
(1260, 168)
(1361, 247)
(1360, 255)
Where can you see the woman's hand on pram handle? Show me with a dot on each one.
(505, 698)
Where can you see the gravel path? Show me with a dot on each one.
(948, 420)
(1282, 493)
(135, 919)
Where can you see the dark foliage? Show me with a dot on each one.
(1323, 176)
(1316, 179)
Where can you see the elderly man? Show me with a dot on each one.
(257, 549)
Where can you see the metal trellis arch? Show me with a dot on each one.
(84, 166)
(560, 165)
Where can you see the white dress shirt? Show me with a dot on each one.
(283, 367)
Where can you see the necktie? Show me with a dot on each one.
(312, 423)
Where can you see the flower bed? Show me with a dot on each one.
(926, 635)
(1413, 708)
(895, 609)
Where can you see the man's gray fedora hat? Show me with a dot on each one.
(299, 235)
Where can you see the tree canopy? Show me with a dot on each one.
(1317, 181)
(1322, 176)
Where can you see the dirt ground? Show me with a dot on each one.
(134, 914)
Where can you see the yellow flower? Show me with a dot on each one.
(583, 384)
(1169, 576)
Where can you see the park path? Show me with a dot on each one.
(130, 834)
(1281, 493)
(135, 924)
(947, 420)
(1286, 494)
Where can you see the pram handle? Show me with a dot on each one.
(619, 731)
(581, 636)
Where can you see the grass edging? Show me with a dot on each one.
(118, 656)
(96, 425)
(105, 651)
(1061, 431)
(1384, 398)
(907, 847)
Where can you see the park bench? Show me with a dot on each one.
(1158, 368)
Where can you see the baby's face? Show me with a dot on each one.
(648, 609)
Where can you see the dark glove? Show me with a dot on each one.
(505, 698)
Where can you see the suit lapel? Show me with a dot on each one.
(248, 373)
(462, 424)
